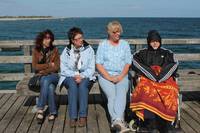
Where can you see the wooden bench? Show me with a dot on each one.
(22, 85)
(22, 88)
(188, 80)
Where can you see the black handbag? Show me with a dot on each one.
(34, 83)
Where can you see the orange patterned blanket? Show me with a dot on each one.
(159, 98)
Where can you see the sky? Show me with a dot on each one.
(101, 8)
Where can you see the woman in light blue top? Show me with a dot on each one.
(77, 70)
(113, 60)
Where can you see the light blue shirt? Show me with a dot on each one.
(113, 58)
(86, 63)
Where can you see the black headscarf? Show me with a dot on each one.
(153, 35)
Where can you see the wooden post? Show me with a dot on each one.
(27, 67)
(138, 47)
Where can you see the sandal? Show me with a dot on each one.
(40, 116)
(51, 117)
(82, 121)
(72, 123)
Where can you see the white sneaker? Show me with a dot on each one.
(120, 125)
(124, 128)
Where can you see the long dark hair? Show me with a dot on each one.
(73, 32)
(40, 37)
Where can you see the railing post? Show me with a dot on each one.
(27, 67)
(138, 47)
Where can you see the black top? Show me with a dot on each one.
(147, 57)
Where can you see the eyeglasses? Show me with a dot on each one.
(116, 32)
(77, 39)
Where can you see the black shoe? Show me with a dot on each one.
(171, 129)
(143, 130)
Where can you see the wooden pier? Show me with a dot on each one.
(16, 109)
(16, 116)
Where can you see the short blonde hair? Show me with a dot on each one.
(114, 26)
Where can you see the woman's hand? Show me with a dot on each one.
(42, 72)
(119, 77)
(52, 64)
(116, 79)
(77, 79)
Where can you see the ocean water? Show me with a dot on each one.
(96, 28)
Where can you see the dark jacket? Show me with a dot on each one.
(147, 57)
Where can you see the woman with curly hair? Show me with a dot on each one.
(46, 63)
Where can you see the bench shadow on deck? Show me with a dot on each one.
(16, 115)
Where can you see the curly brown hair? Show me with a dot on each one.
(40, 37)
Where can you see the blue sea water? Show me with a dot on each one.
(96, 28)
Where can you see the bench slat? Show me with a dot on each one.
(14, 76)
(187, 82)
(28, 59)
(15, 59)
(187, 57)
(96, 41)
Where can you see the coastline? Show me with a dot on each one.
(39, 18)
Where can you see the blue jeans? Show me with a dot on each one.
(77, 97)
(116, 95)
(48, 84)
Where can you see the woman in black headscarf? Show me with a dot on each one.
(156, 93)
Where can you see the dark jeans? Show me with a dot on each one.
(77, 97)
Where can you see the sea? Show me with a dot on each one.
(95, 28)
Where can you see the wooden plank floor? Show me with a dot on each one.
(16, 116)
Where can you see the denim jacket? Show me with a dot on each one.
(86, 63)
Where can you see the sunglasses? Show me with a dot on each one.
(116, 32)
(47, 37)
